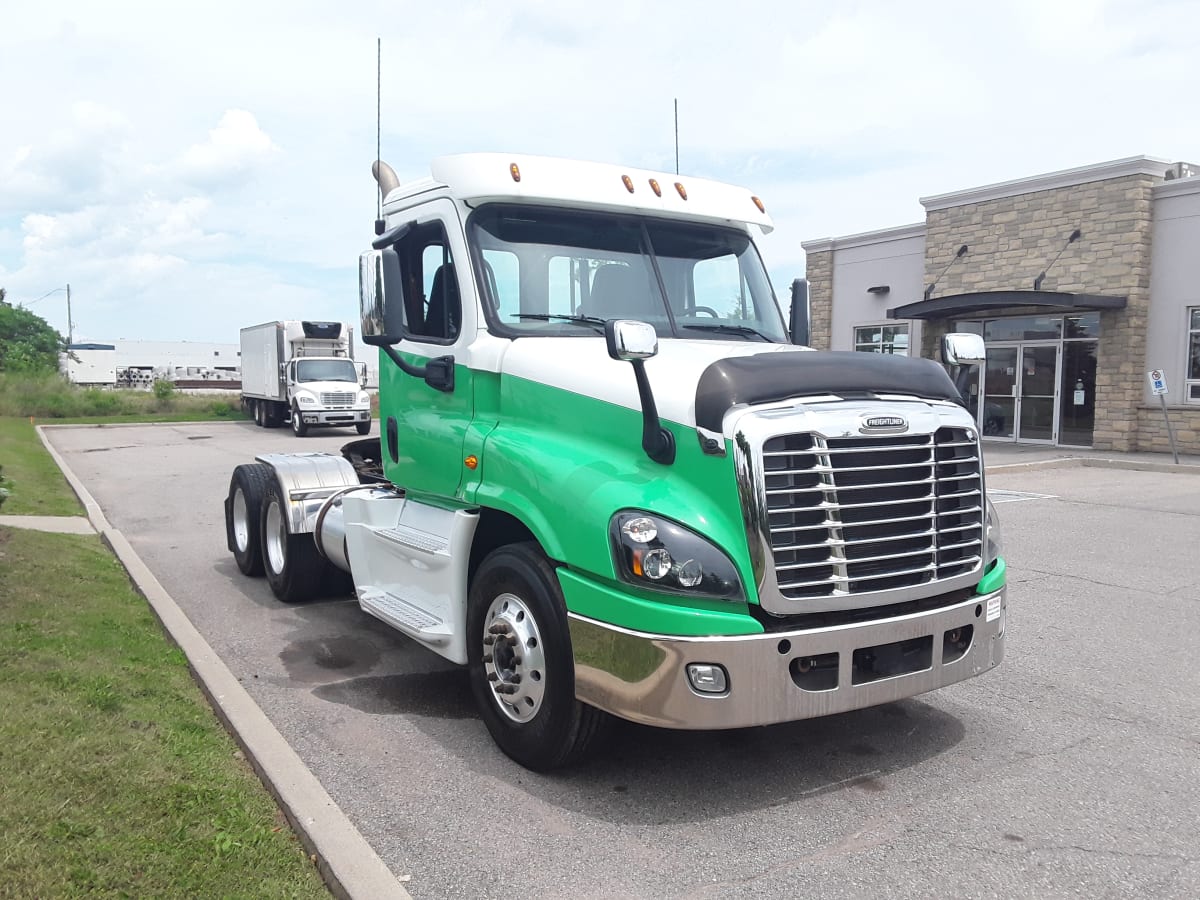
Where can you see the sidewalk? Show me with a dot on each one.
(1002, 455)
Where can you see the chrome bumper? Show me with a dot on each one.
(335, 416)
(785, 676)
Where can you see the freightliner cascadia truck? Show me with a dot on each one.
(611, 483)
(303, 373)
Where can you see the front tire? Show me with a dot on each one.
(521, 667)
(363, 427)
(243, 510)
(291, 562)
(298, 427)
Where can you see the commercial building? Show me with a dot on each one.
(1081, 282)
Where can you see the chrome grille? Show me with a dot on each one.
(867, 514)
(338, 398)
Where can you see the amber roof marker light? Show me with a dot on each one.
(682, 190)
(654, 187)
(515, 171)
(762, 209)
(628, 182)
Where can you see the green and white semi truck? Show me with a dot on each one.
(610, 484)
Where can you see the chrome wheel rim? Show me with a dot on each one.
(275, 538)
(296, 421)
(514, 660)
(241, 521)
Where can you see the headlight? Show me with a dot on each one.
(364, 397)
(995, 544)
(656, 553)
(305, 399)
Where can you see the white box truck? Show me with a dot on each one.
(303, 373)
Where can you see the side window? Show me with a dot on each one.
(433, 307)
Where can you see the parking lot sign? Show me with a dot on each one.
(1158, 381)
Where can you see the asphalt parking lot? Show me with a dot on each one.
(1070, 771)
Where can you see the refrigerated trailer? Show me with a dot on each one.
(304, 373)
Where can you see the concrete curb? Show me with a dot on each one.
(1095, 462)
(349, 865)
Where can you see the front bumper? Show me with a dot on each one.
(335, 416)
(785, 676)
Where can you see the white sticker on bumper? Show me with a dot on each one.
(993, 609)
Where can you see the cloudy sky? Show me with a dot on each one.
(190, 169)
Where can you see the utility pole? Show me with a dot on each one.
(70, 337)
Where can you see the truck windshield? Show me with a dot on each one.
(326, 370)
(556, 272)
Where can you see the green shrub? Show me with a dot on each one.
(163, 390)
(5, 487)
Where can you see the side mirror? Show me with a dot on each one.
(381, 297)
(635, 342)
(629, 340)
(963, 350)
(798, 322)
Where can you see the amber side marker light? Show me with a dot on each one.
(471, 462)
(682, 190)
(762, 209)
(628, 182)
(515, 172)
(654, 187)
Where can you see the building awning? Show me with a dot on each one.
(992, 301)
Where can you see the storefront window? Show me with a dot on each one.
(1193, 368)
(1083, 326)
(882, 339)
(1023, 328)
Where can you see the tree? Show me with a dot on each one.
(27, 342)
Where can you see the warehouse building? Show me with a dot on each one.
(1081, 282)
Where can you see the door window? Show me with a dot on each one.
(432, 305)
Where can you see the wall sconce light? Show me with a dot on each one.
(879, 289)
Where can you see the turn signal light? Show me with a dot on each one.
(471, 462)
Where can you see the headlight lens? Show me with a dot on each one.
(306, 399)
(364, 397)
(995, 544)
(656, 553)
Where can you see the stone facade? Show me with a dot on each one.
(1012, 239)
(819, 270)
(1152, 429)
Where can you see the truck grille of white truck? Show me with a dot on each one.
(861, 515)
(338, 398)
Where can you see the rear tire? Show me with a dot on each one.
(363, 427)
(291, 562)
(256, 412)
(273, 417)
(243, 510)
(299, 429)
(524, 679)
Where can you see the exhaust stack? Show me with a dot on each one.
(385, 176)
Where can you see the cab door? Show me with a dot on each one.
(423, 428)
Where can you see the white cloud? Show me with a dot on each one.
(231, 154)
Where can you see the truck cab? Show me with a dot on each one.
(610, 485)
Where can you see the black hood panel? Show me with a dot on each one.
(770, 377)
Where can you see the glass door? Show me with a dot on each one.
(997, 417)
(1038, 393)
(1020, 398)
(1077, 406)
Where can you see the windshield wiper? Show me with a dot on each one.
(591, 321)
(731, 329)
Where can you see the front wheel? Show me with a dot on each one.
(291, 562)
(520, 661)
(298, 427)
(363, 427)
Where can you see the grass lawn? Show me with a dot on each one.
(115, 776)
(38, 487)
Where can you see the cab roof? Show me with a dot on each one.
(490, 177)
